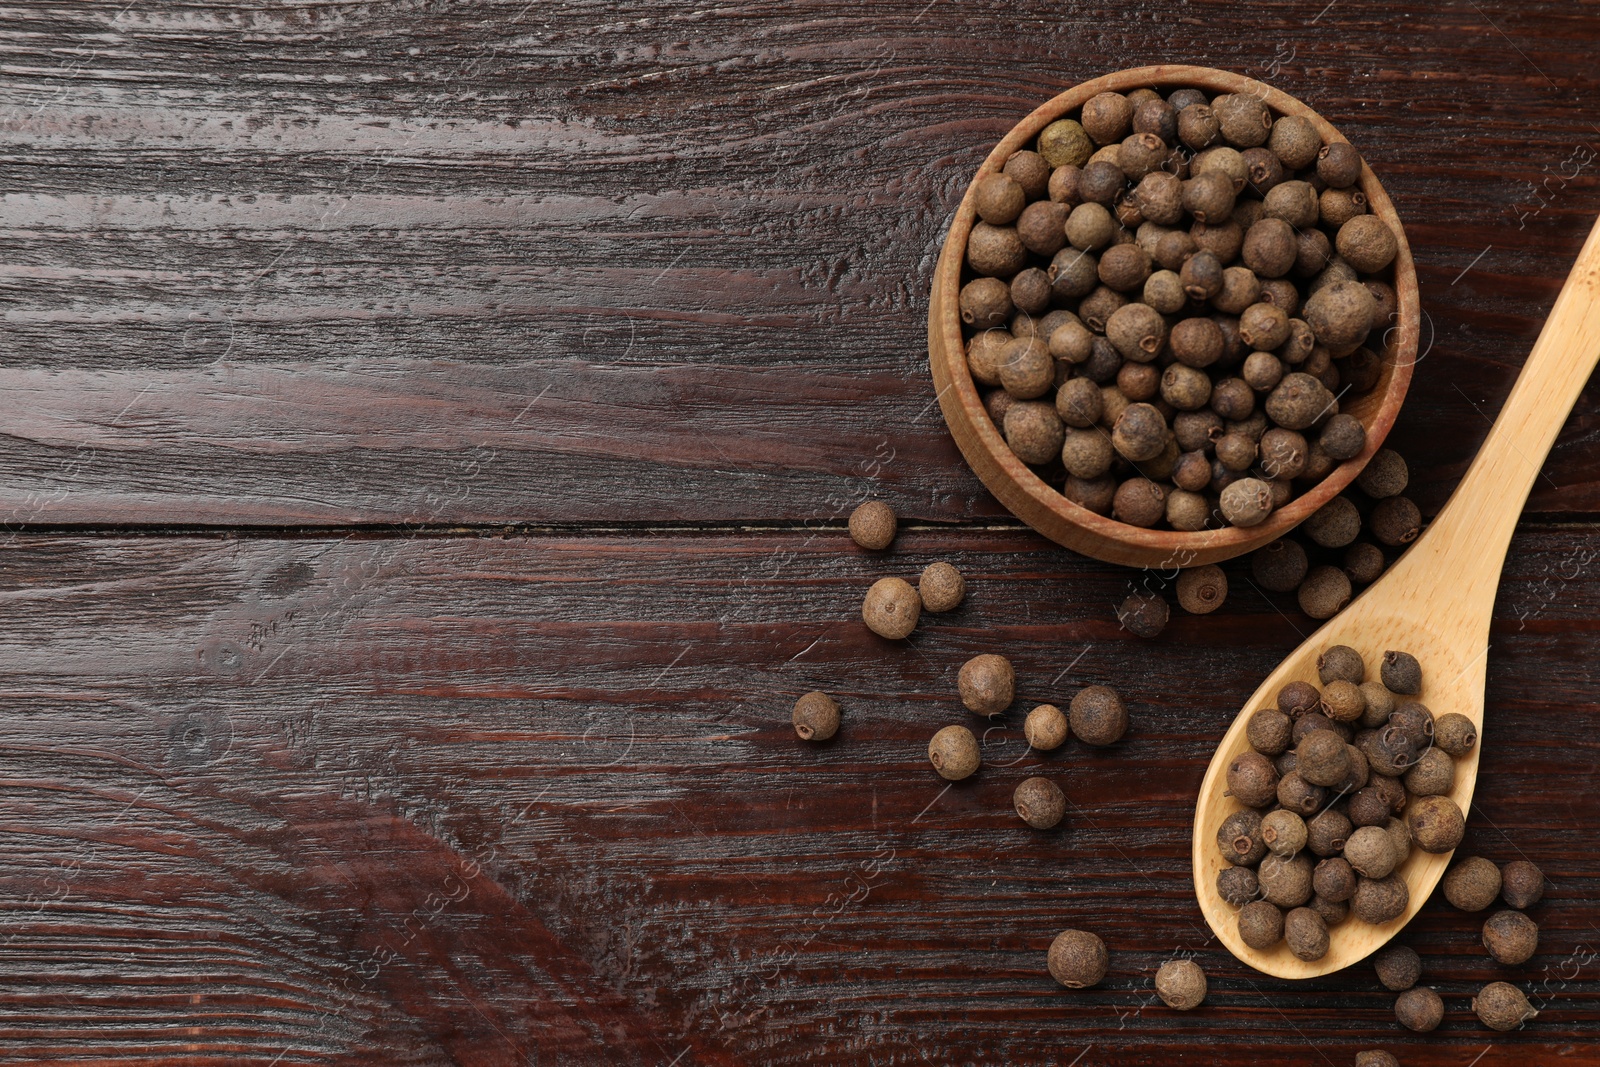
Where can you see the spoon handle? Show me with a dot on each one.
(1467, 542)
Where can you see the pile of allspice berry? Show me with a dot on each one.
(1340, 783)
(1166, 300)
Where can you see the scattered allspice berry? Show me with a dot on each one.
(1098, 715)
(1181, 984)
(988, 684)
(1472, 884)
(1436, 823)
(1521, 884)
(891, 608)
(1039, 802)
(1143, 614)
(1398, 967)
(1201, 590)
(1419, 1008)
(1078, 959)
(954, 753)
(1510, 937)
(1502, 1006)
(1325, 591)
(941, 587)
(1376, 1057)
(872, 525)
(1046, 728)
(816, 717)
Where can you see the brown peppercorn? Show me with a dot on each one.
(999, 199)
(1139, 502)
(1522, 883)
(1378, 900)
(1046, 728)
(1341, 663)
(1026, 369)
(1222, 241)
(1160, 198)
(1364, 562)
(1338, 164)
(1137, 330)
(1163, 291)
(1039, 803)
(954, 753)
(1233, 399)
(996, 251)
(1342, 700)
(1260, 924)
(1306, 933)
(1268, 731)
(1398, 967)
(1395, 521)
(941, 587)
(1367, 243)
(1073, 273)
(891, 608)
(1369, 807)
(1333, 879)
(1244, 119)
(1186, 388)
(1124, 267)
(1098, 715)
(1090, 227)
(1270, 248)
(1107, 117)
(984, 353)
(1143, 614)
(1285, 880)
(1064, 143)
(1324, 592)
(1092, 494)
(1327, 831)
(1078, 403)
(1087, 454)
(1198, 127)
(1340, 315)
(1434, 774)
(816, 717)
(1029, 170)
(1298, 401)
(1295, 141)
(1264, 171)
(1239, 838)
(1343, 437)
(1237, 885)
(1034, 432)
(1252, 780)
(985, 303)
(1209, 197)
(1263, 326)
(1284, 832)
(1454, 733)
(1472, 884)
(1097, 308)
(1063, 186)
(1369, 852)
(1042, 227)
(987, 684)
(1401, 673)
(1419, 1008)
(1297, 699)
(1321, 758)
(1247, 502)
(1385, 475)
(1029, 292)
(1202, 590)
(1436, 823)
(1157, 116)
(1294, 202)
(1077, 959)
(1102, 182)
(1197, 342)
(1502, 1006)
(1139, 154)
(1281, 565)
(1335, 524)
(873, 525)
(1181, 984)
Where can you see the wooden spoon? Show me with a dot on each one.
(1435, 602)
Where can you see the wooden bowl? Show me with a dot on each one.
(1039, 504)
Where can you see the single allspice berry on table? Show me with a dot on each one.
(1521, 883)
(1046, 728)
(1398, 966)
(1098, 715)
(1181, 984)
(941, 587)
(1144, 614)
(1078, 959)
(1472, 884)
(1502, 1006)
(1419, 1008)
(872, 525)
(954, 753)
(1376, 1057)
(891, 608)
(1039, 803)
(988, 684)
(1510, 937)
(1202, 590)
(816, 717)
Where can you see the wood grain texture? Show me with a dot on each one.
(537, 799)
(429, 261)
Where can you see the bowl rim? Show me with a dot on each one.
(1023, 491)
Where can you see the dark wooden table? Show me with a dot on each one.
(426, 431)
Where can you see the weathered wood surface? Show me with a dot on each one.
(487, 262)
(537, 800)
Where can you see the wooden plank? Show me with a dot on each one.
(313, 264)
(536, 799)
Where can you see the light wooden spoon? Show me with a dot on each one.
(1435, 602)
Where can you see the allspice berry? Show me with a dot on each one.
(1078, 959)
(985, 303)
(1239, 839)
(1247, 502)
(816, 717)
(1401, 673)
(1419, 1008)
(1064, 143)
(1285, 880)
(1181, 984)
(1369, 853)
(1306, 933)
(1334, 525)
(1398, 967)
(891, 608)
(1510, 937)
(1521, 883)
(1333, 879)
(1433, 774)
(1341, 663)
(954, 753)
(1268, 732)
(1143, 614)
(1039, 802)
(1260, 924)
(1325, 592)
(988, 684)
(999, 199)
(1395, 521)
(1454, 733)
(1046, 728)
(1502, 1006)
(1472, 884)
(1385, 475)
(1238, 886)
(1201, 590)
(1342, 701)
(1340, 315)
(1367, 243)
(1378, 900)
(941, 587)
(1098, 715)
(1376, 1057)
(1322, 757)
(1436, 823)
(1283, 831)
(872, 525)
(1281, 565)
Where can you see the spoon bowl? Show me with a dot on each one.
(1435, 603)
